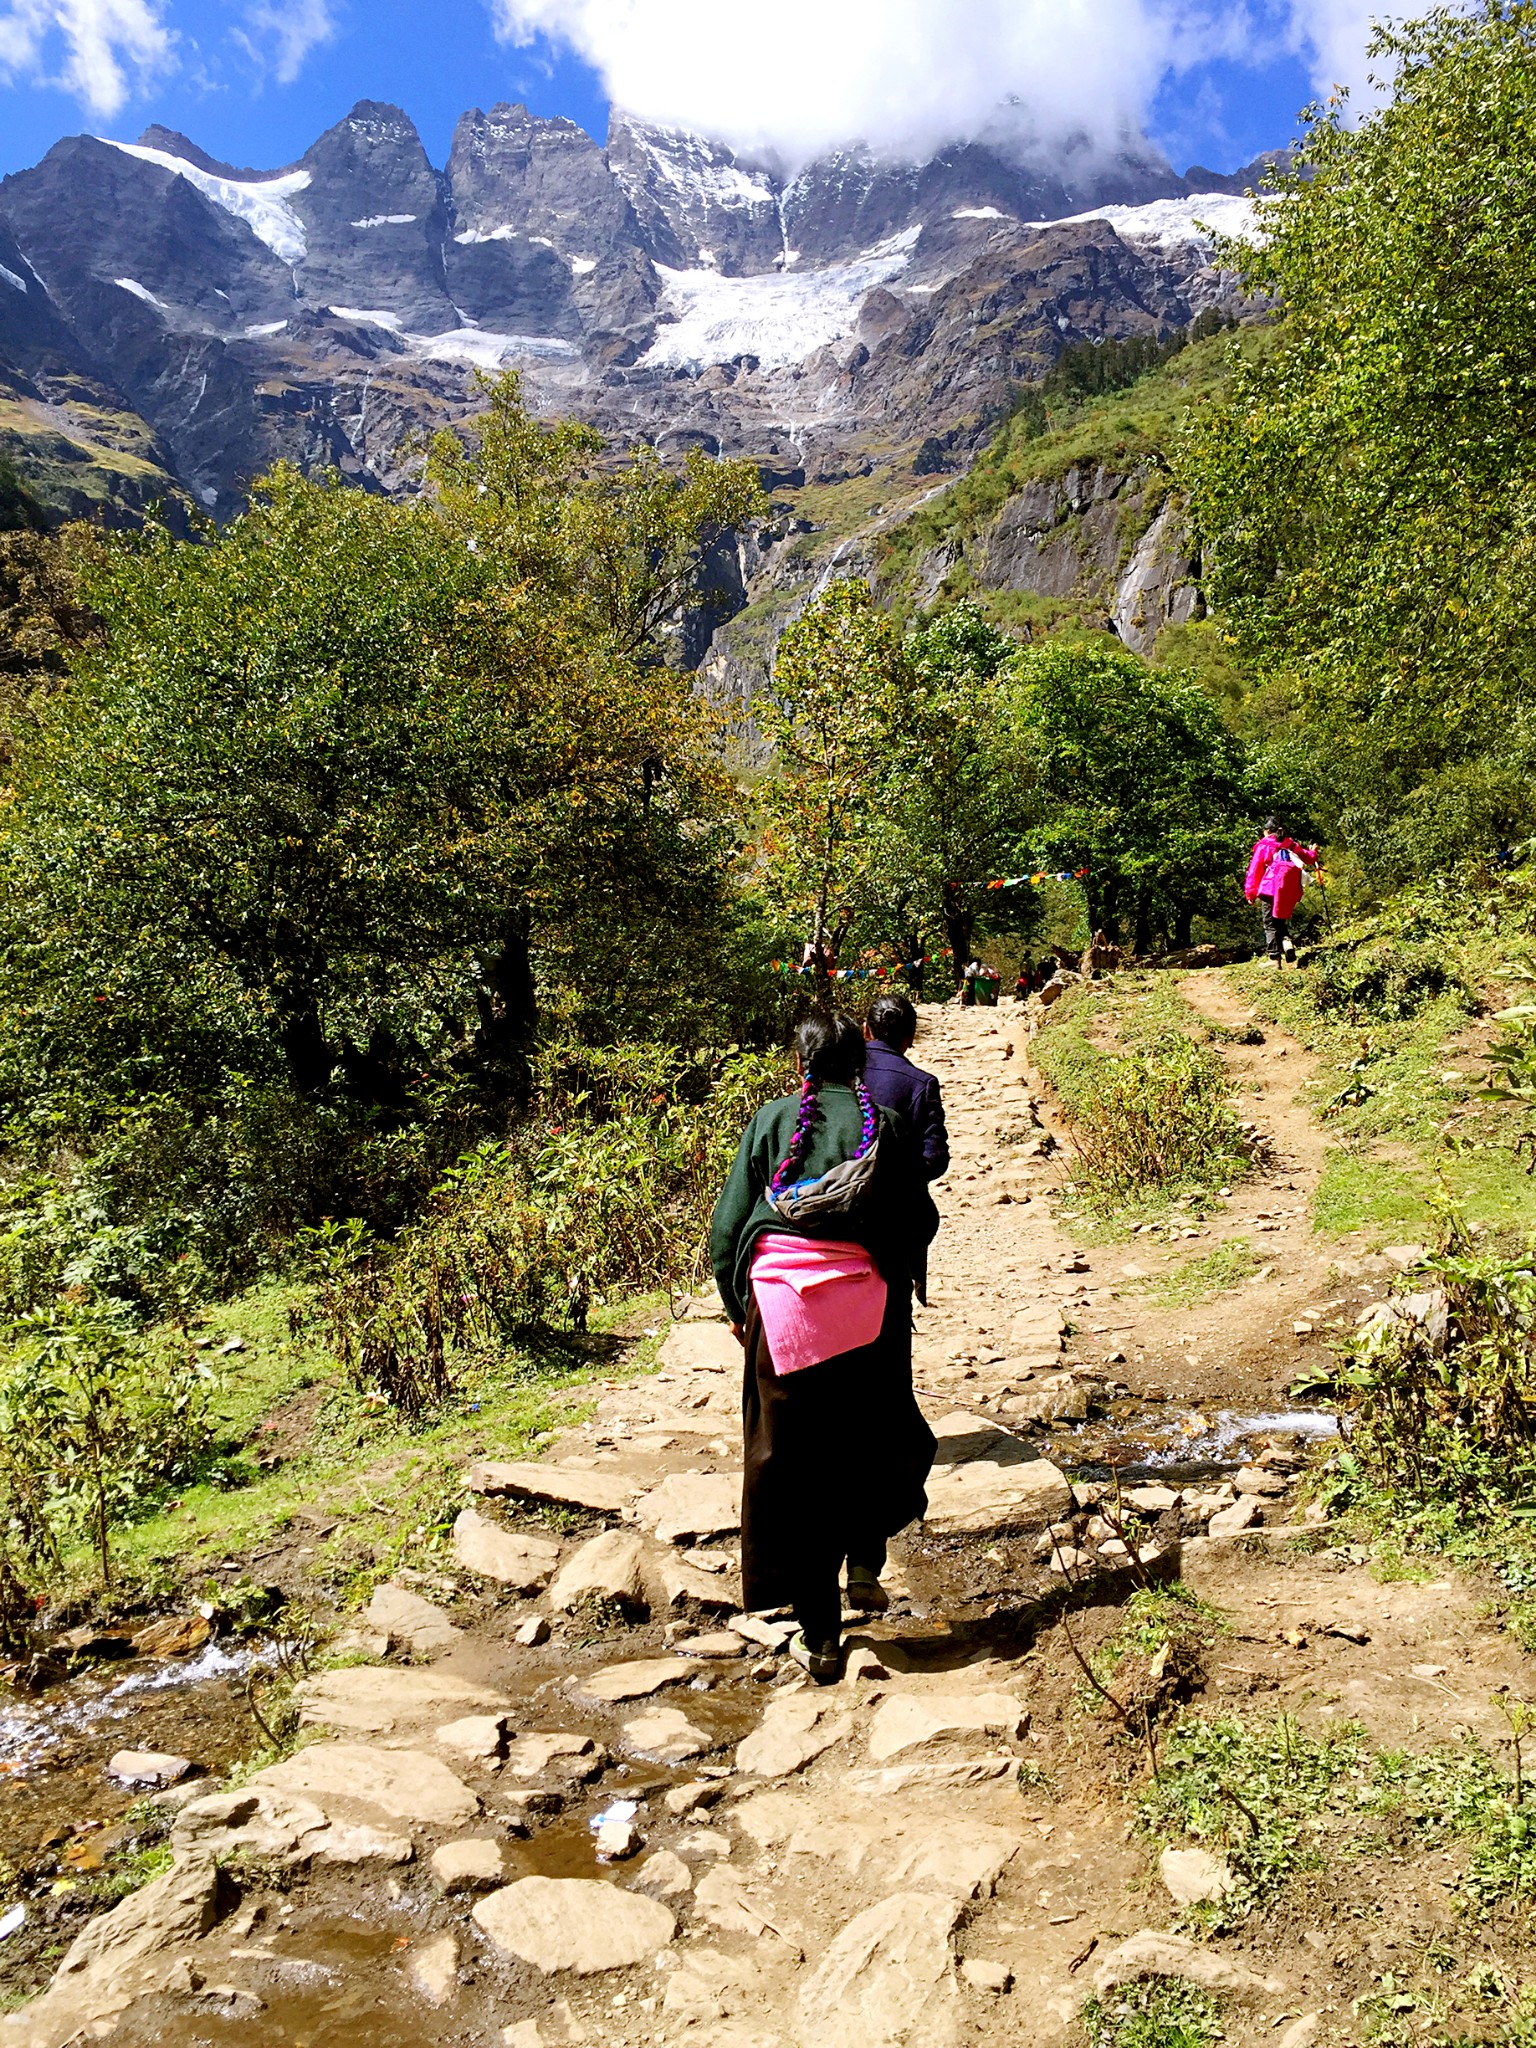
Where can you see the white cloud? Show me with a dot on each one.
(97, 49)
(281, 33)
(914, 74)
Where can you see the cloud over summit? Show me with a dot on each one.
(912, 75)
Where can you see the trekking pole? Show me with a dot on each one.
(1327, 909)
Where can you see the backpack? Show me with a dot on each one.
(842, 1190)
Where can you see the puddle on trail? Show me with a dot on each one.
(1163, 1443)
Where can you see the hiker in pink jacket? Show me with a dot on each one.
(1275, 882)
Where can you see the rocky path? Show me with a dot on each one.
(568, 1792)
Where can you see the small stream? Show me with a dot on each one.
(1159, 1442)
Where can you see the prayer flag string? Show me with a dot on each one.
(791, 967)
(1018, 881)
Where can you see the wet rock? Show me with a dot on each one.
(639, 1680)
(791, 1733)
(689, 1505)
(1191, 1876)
(283, 1828)
(887, 1980)
(618, 1840)
(573, 1756)
(472, 1865)
(89, 1645)
(719, 1644)
(1057, 1399)
(177, 1636)
(479, 1737)
(120, 1955)
(666, 1736)
(1150, 1954)
(699, 1347)
(406, 1784)
(532, 1632)
(434, 1969)
(525, 1563)
(664, 1875)
(1234, 1520)
(383, 1699)
(574, 1923)
(151, 1768)
(602, 1493)
(415, 1621)
(987, 1497)
(983, 1975)
(911, 1720)
(607, 1570)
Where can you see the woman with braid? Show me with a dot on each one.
(816, 1238)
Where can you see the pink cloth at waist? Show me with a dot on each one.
(817, 1299)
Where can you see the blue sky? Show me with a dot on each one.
(255, 81)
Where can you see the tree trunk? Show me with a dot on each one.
(1142, 944)
(508, 1005)
(1108, 920)
(1183, 918)
(959, 929)
(308, 1053)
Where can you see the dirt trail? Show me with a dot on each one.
(936, 1852)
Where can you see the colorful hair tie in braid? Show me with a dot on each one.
(805, 1123)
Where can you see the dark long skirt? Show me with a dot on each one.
(836, 1458)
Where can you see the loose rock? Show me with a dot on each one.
(434, 1969)
(791, 1732)
(638, 1680)
(426, 1628)
(665, 1875)
(602, 1493)
(911, 1719)
(525, 1563)
(473, 1865)
(478, 1736)
(1192, 1876)
(666, 1736)
(606, 1570)
(403, 1783)
(688, 1505)
(148, 1767)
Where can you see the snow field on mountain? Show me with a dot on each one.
(779, 319)
(1169, 225)
(261, 204)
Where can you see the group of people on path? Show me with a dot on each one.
(819, 1243)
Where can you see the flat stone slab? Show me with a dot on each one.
(530, 1756)
(909, 1720)
(699, 1347)
(887, 1980)
(964, 1860)
(284, 1828)
(406, 1784)
(681, 1585)
(601, 1493)
(791, 1733)
(980, 1497)
(667, 1736)
(471, 1865)
(639, 1680)
(574, 1923)
(148, 1767)
(525, 1563)
(689, 1505)
(381, 1699)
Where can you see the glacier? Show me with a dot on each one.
(261, 203)
(1171, 225)
(778, 319)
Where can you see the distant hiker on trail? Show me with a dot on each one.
(1276, 877)
(816, 1237)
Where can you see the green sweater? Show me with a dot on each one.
(898, 1219)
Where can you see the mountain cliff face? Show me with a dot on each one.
(823, 323)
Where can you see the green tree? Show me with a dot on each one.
(1131, 774)
(953, 806)
(835, 683)
(1367, 492)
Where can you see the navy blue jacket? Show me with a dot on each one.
(894, 1083)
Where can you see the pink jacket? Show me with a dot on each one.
(1275, 871)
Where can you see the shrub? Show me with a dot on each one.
(1154, 1120)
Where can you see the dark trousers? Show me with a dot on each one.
(1276, 929)
(836, 1460)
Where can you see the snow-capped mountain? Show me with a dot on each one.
(662, 286)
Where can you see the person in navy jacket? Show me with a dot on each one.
(894, 1083)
